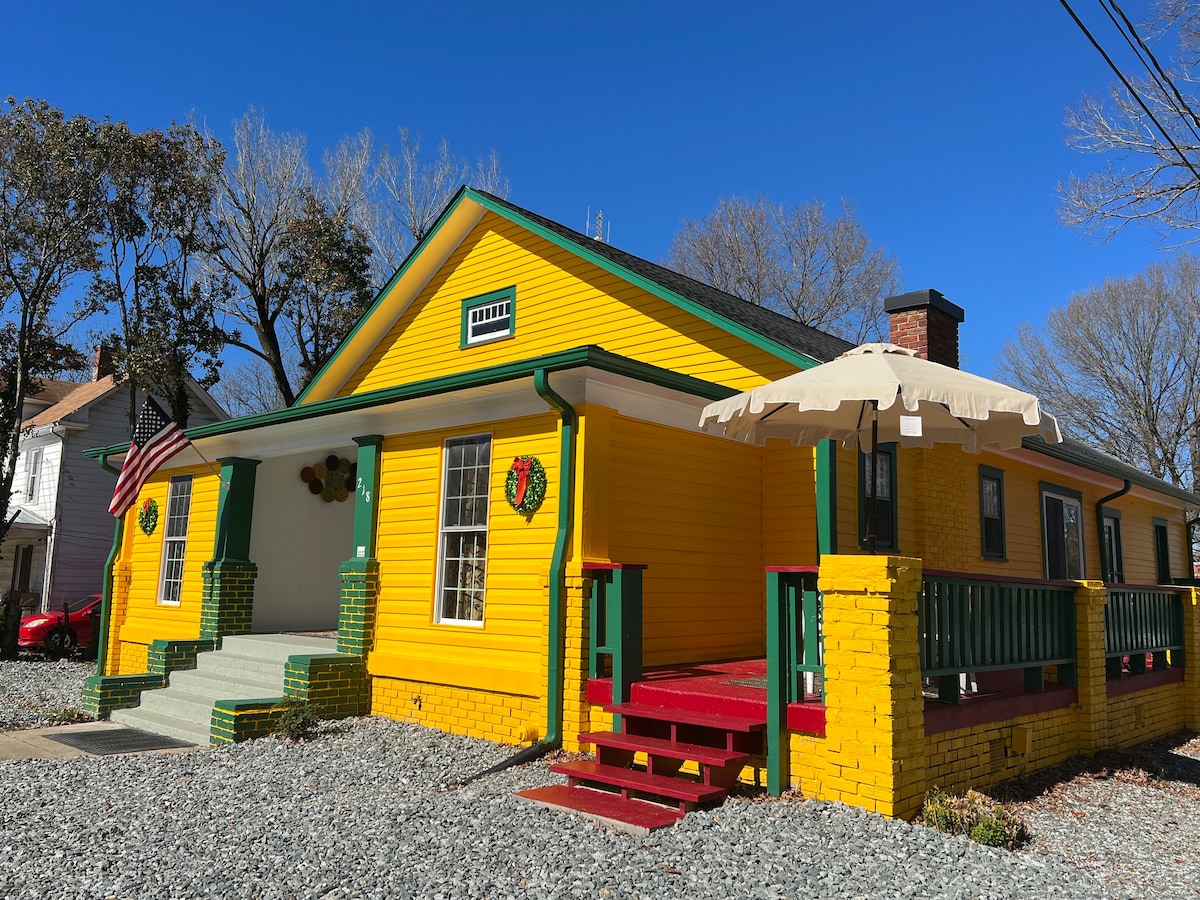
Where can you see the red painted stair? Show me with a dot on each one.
(615, 790)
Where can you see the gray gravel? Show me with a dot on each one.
(36, 692)
(370, 808)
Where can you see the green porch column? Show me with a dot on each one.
(228, 600)
(826, 462)
(360, 573)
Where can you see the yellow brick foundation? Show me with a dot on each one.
(505, 718)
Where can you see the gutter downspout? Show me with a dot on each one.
(556, 651)
(109, 564)
(1100, 504)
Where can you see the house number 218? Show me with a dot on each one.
(362, 489)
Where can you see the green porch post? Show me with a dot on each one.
(228, 600)
(826, 461)
(360, 573)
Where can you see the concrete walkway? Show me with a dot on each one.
(33, 743)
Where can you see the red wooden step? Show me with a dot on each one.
(636, 780)
(625, 814)
(709, 756)
(686, 717)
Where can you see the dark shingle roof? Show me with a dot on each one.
(1089, 457)
(794, 335)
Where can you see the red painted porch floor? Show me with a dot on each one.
(731, 688)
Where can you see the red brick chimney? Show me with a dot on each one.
(927, 322)
(102, 363)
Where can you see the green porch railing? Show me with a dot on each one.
(616, 625)
(1140, 621)
(794, 654)
(972, 624)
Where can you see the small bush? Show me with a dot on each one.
(977, 816)
(297, 720)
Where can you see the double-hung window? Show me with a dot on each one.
(880, 486)
(991, 513)
(489, 317)
(33, 472)
(179, 507)
(1062, 532)
(462, 552)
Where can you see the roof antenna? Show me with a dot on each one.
(599, 235)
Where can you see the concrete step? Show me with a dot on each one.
(178, 704)
(157, 723)
(277, 646)
(225, 685)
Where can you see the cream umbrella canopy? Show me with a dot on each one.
(884, 393)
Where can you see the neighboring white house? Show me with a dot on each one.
(62, 531)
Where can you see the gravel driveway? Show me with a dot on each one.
(370, 808)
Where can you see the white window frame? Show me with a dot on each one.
(452, 600)
(1068, 498)
(480, 312)
(174, 546)
(33, 471)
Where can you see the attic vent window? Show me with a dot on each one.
(489, 317)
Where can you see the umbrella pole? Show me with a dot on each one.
(871, 520)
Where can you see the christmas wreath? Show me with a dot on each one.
(148, 517)
(525, 487)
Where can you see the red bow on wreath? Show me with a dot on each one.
(521, 465)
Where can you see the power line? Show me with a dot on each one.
(1129, 87)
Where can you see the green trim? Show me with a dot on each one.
(888, 450)
(109, 564)
(387, 288)
(702, 312)
(510, 294)
(366, 495)
(826, 453)
(579, 357)
(556, 649)
(1162, 553)
(235, 508)
(990, 473)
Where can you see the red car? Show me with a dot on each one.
(59, 632)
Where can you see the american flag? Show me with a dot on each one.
(155, 440)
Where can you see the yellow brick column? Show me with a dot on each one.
(1191, 659)
(575, 674)
(119, 603)
(874, 745)
(1090, 678)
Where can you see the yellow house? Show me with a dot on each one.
(497, 495)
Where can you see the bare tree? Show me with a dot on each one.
(248, 388)
(261, 189)
(414, 191)
(1148, 130)
(1119, 364)
(799, 261)
(367, 211)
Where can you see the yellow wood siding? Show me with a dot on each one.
(146, 619)
(507, 652)
(562, 302)
(689, 507)
(789, 505)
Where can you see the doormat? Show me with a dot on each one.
(759, 682)
(117, 740)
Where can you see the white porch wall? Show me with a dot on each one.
(298, 541)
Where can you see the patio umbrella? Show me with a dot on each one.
(853, 400)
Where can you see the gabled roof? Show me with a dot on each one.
(52, 391)
(70, 397)
(798, 344)
(802, 338)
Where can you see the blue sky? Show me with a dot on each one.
(940, 119)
